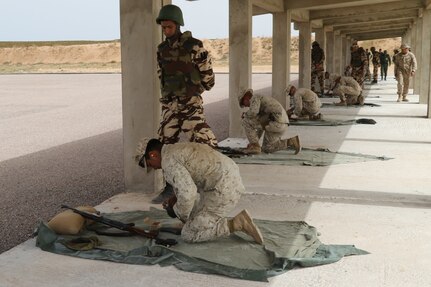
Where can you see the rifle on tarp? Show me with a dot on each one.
(231, 152)
(129, 227)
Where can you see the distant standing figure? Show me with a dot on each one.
(317, 67)
(385, 61)
(376, 64)
(405, 67)
(359, 63)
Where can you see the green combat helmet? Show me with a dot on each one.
(171, 12)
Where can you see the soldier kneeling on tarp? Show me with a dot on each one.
(347, 88)
(265, 116)
(303, 102)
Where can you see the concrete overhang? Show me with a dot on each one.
(377, 17)
(328, 4)
(371, 28)
(268, 6)
(368, 9)
(377, 35)
(428, 4)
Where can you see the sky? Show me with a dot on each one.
(59, 20)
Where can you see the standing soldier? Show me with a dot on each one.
(393, 61)
(385, 62)
(405, 67)
(317, 66)
(185, 72)
(376, 64)
(359, 63)
(265, 115)
(369, 58)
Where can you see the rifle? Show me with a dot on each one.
(231, 152)
(129, 227)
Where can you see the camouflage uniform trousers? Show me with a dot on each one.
(208, 221)
(375, 71)
(254, 128)
(185, 115)
(403, 79)
(358, 73)
(319, 74)
(348, 94)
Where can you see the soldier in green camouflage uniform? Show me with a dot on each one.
(317, 67)
(405, 67)
(359, 63)
(185, 72)
(376, 64)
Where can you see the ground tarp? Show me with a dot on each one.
(287, 245)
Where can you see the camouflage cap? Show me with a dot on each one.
(141, 151)
(405, 46)
(242, 94)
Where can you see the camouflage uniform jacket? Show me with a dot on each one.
(303, 95)
(192, 168)
(405, 62)
(359, 59)
(337, 80)
(185, 68)
(261, 106)
(317, 59)
(376, 58)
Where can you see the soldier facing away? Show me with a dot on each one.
(405, 67)
(207, 187)
(359, 63)
(376, 64)
(185, 72)
(385, 62)
(265, 116)
(317, 67)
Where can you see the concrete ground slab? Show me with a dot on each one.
(383, 207)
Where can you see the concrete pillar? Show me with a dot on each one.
(426, 58)
(418, 54)
(140, 84)
(337, 54)
(343, 52)
(304, 54)
(281, 56)
(414, 48)
(319, 36)
(240, 36)
(329, 51)
(348, 52)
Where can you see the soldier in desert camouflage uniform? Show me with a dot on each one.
(265, 115)
(317, 66)
(304, 102)
(347, 88)
(207, 187)
(376, 64)
(405, 67)
(359, 63)
(185, 72)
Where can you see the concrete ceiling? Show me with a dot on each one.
(355, 18)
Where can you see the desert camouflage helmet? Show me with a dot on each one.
(171, 12)
(242, 94)
(405, 46)
(140, 153)
(287, 90)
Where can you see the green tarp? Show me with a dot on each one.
(309, 157)
(287, 245)
(331, 122)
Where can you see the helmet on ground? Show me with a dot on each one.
(242, 94)
(405, 46)
(171, 12)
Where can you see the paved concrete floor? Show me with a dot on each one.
(380, 206)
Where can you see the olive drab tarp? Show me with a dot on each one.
(287, 245)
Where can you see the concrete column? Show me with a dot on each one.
(418, 54)
(319, 36)
(343, 52)
(329, 51)
(304, 54)
(240, 35)
(337, 54)
(281, 37)
(348, 53)
(426, 58)
(140, 84)
(414, 48)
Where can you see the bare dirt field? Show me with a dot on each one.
(105, 56)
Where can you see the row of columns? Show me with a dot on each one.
(140, 85)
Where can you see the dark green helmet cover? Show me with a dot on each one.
(171, 12)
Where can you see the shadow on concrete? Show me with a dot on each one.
(83, 172)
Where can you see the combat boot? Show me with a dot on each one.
(295, 143)
(252, 148)
(342, 103)
(399, 98)
(361, 100)
(405, 99)
(243, 222)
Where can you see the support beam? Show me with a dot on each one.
(377, 35)
(366, 9)
(240, 36)
(329, 51)
(371, 25)
(367, 29)
(281, 38)
(418, 54)
(425, 74)
(377, 17)
(313, 4)
(304, 54)
(271, 6)
(140, 84)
